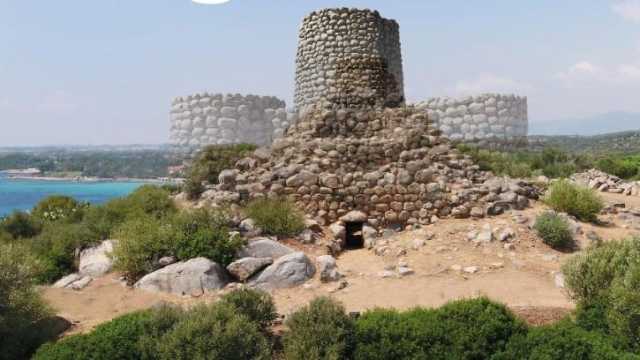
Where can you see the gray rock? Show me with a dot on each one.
(95, 261)
(244, 268)
(328, 268)
(195, 276)
(166, 261)
(354, 216)
(286, 272)
(263, 248)
(81, 284)
(67, 280)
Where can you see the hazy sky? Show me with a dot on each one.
(98, 72)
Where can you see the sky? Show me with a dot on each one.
(104, 71)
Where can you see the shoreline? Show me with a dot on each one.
(87, 179)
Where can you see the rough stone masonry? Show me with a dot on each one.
(346, 58)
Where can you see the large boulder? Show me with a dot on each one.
(96, 261)
(244, 268)
(286, 272)
(328, 268)
(264, 248)
(191, 277)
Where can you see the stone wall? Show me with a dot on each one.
(349, 58)
(216, 119)
(486, 119)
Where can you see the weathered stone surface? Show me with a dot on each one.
(264, 248)
(328, 268)
(96, 261)
(67, 280)
(186, 278)
(244, 268)
(354, 216)
(286, 272)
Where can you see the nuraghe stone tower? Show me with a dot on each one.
(349, 58)
(355, 156)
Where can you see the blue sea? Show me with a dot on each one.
(24, 194)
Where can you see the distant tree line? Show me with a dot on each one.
(133, 164)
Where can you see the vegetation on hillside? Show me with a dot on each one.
(208, 164)
(104, 164)
(552, 162)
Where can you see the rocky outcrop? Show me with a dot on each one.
(601, 181)
(286, 272)
(96, 261)
(264, 248)
(193, 277)
(244, 268)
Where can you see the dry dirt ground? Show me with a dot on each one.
(523, 277)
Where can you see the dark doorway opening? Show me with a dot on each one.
(354, 237)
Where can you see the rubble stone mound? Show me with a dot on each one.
(387, 163)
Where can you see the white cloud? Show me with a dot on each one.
(488, 82)
(210, 2)
(628, 9)
(585, 72)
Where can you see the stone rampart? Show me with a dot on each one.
(486, 119)
(216, 119)
(348, 58)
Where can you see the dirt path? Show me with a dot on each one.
(522, 277)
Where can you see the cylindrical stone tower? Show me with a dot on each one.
(349, 58)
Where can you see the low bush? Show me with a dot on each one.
(214, 332)
(256, 305)
(209, 163)
(277, 217)
(467, 329)
(605, 282)
(103, 220)
(564, 341)
(150, 200)
(204, 233)
(321, 330)
(20, 225)
(132, 336)
(554, 231)
(580, 202)
(626, 167)
(142, 241)
(56, 247)
(21, 307)
(59, 208)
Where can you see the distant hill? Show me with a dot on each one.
(594, 125)
(627, 142)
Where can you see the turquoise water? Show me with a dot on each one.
(24, 194)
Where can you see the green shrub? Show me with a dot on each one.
(58, 208)
(580, 202)
(623, 167)
(605, 282)
(214, 332)
(56, 247)
(21, 308)
(623, 316)
(554, 231)
(194, 184)
(103, 220)
(256, 305)
(211, 160)
(20, 225)
(590, 274)
(467, 329)
(204, 233)
(561, 341)
(559, 170)
(321, 330)
(132, 336)
(142, 241)
(276, 216)
(151, 200)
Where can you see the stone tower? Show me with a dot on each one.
(349, 58)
